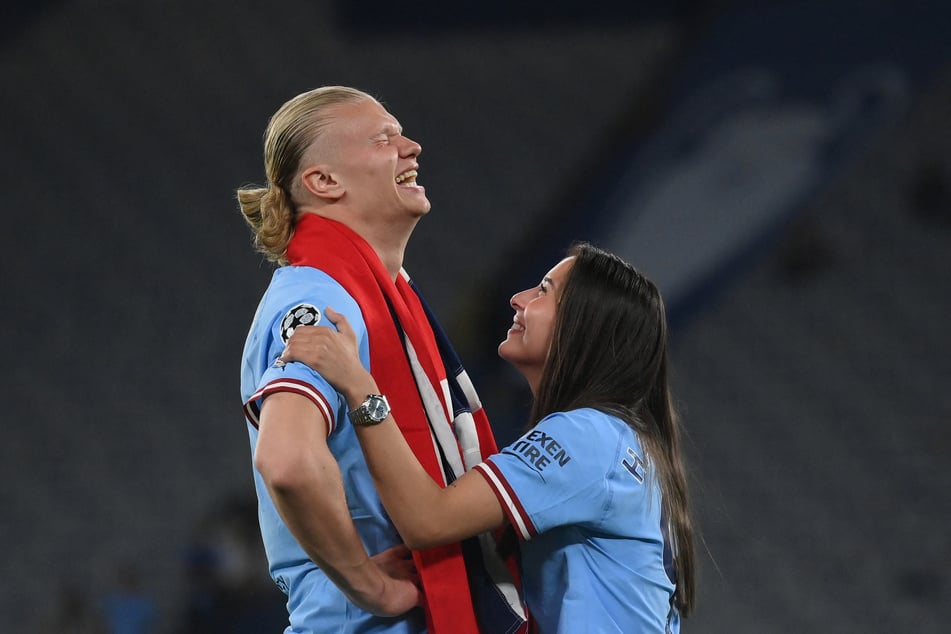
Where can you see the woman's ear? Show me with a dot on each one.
(320, 181)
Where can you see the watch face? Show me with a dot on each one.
(377, 408)
(372, 411)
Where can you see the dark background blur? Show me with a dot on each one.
(781, 169)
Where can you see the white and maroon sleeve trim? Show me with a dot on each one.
(510, 502)
(252, 412)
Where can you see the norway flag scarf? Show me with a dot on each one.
(466, 586)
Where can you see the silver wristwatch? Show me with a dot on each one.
(372, 411)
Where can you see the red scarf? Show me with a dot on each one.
(341, 253)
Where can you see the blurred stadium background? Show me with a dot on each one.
(781, 169)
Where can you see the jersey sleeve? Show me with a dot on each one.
(292, 311)
(556, 474)
(299, 379)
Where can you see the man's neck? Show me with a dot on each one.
(388, 240)
(389, 243)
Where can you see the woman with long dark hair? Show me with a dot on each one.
(595, 491)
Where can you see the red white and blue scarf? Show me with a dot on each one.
(467, 587)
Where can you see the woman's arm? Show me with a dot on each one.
(424, 513)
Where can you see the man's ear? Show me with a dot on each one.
(320, 181)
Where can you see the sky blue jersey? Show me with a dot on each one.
(585, 501)
(296, 296)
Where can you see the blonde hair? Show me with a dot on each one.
(270, 210)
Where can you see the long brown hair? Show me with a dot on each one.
(609, 352)
(270, 210)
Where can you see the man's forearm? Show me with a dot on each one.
(314, 509)
(305, 484)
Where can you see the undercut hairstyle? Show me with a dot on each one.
(609, 352)
(270, 211)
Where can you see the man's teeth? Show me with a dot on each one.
(406, 177)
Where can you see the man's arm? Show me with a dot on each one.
(305, 484)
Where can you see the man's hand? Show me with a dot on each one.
(401, 581)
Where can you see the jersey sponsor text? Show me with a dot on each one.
(540, 450)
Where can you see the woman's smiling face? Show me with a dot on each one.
(528, 340)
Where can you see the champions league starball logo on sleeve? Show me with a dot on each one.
(300, 315)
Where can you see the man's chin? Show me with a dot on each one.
(421, 210)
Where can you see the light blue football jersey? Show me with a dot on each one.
(585, 501)
(298, 295)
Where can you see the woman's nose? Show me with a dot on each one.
(517, 302)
